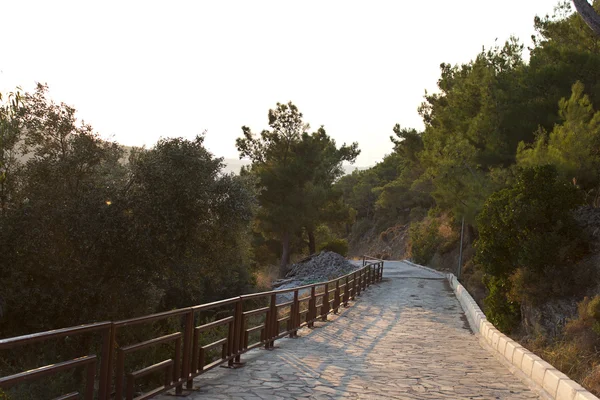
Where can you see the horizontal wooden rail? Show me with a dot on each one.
(89, 362)
(70, 396)
(244, 323)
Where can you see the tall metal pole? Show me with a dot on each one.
(462, 231)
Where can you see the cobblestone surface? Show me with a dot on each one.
(404, 338)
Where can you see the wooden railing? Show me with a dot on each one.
(243, 323)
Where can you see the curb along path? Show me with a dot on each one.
(409, 339)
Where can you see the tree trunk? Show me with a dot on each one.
(588, 14)
(312, 247)
(285, 254)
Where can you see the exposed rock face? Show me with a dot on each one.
(589, 220)
(549, 318)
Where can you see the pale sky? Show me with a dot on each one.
(139, 70)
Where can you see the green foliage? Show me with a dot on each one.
(497, 150)
(527, 233)
(565, 51)
(588, 320)
(387, 193)
(500, 309)
(424, 240)
(190, 213)
(10, 135)
(339, 246)
(473, 125)
(86, 236)
(571, 147)
(528, 223)
(295, 171)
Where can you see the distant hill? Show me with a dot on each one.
(234, 165)
(231, 164)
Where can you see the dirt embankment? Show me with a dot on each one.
(390, 244)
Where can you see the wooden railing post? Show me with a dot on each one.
(354, 285)
(119, 375)
(364, 280)
(195, 351)
(90, 370)
(104, 384)
(358, 283)
(273, 323)
(295, 316)
(312, 308)
(238, 323)
(336, 299)
(229, 347)
(346, 292)
(267, 330)
(111, 354)
(188, 334)
(176, 373)
(325, 307)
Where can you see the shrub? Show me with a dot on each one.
(588, 321)
(417, 213)
(500, 310)
(339, 246)
(528, 240)
(424, 240)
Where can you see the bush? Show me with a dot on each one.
(339, 246)
(499, 309)
(417, 213)
(587, 323)
(528, 241)
(424, 240)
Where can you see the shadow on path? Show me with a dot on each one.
(404, 338)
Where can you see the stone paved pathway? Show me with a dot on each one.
(404, 338)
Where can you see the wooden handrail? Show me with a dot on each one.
(265, 317)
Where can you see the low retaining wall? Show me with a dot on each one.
(544, 376)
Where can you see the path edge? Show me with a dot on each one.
(527, 365)
(530, 368)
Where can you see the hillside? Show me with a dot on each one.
(233, 165)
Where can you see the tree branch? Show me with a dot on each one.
(588, 14)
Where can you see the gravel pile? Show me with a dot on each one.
(321, 267)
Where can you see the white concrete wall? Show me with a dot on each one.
(538, 372)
